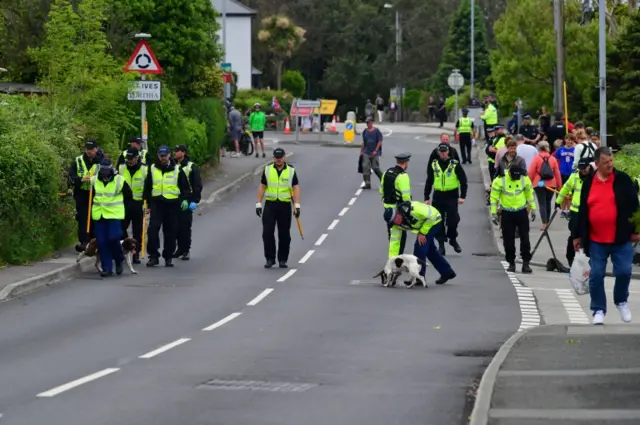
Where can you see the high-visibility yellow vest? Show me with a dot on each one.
(490, 115)
(498, 143)
(464, 126)
(108, 202)
(165, 185)
(136, 182)
(422, 218)
(82, 171)
(279, 188)
(447, 180)
(395, 187)
(572, 187)
(513, 195)
(142, 153)
(187, 172)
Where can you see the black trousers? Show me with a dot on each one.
(276, 213)
(573, 222)
(514, 222)
(185, 220)
(163, 215)
(133, 215)
(447, 205)
(465, 147)
(492, 171)
(82, 211)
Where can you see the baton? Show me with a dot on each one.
(297, 219)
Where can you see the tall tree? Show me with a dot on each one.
(281, 38)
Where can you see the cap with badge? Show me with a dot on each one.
(526, 117)
(403, 157)
(91, 144)
(132, 152)
(164, 151)
(443, 147)
(278, 153)
(136, 139)
(181, 148)
(584, 163)
(498, 127)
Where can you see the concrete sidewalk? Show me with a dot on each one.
(563, 375)
(221, 180)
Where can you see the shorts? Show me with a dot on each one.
(258, 134)
(236, 134)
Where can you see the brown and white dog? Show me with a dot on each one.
(128, 248)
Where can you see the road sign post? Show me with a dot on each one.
(302, 108)
(456, 82)
(144, 61)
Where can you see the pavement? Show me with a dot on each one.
(221, 340)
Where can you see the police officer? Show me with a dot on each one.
(572, 188)
(135, 174)
(497, 142)
(166, 190)
(449, 183)
(425, 221)
(465, 129)
(82, 168)
(453, 153)
(529, 131)
(135, 143)
(279, 185)
(185, 218)
(490, 114)
(395, 187)
(514, 192)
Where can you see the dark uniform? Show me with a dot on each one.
(528, 130)
(453, 153)
(85, 165)
(135, 174)
(465, 128)
(395, 188)
(449, 182)
(185, 219)
(277, 185)
(135, 143)
(167, 191)
(556, 131)
(497, 141)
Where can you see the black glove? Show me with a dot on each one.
(258, 209)
(533, 216)
(296, 212)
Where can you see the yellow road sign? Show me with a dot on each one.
(349, 131)
(327, 107)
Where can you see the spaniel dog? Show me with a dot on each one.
(406, 263)
(128, 248)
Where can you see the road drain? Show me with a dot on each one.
(475, 353)
(234, 385)
(485, 254)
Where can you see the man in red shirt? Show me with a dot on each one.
(608, 200)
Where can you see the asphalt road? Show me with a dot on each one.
(370, 355)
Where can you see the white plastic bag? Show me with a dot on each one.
(579, 273)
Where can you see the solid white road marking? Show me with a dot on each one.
(222, 322)
(358, 192)
(306, 256)
(260, 297)
(362, 184)
(164, 348)
(352, 201)
(66, 387)
(321, 239)
(343, 212)
(333, 224)
(287, 275)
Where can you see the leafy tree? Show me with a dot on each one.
(293, 81)
(281, 38)
(457, 51)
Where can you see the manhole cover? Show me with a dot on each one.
(234, 385)
(475, 353)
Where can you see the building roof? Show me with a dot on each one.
(255, 71)
(234, 8)
(9, 88)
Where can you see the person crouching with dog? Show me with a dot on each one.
(134, 173)
(107, 211)
(426, 222)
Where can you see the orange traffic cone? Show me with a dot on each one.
(287, 127)
(333, 125)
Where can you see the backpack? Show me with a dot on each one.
(546, 172)
(588, 151)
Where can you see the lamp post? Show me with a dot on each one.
(398, 47)
(227, 86)
(602, 77)
(473, 41)
(143, 104)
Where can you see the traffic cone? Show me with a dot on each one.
(287, 127)
(332, 129)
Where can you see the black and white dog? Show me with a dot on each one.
(402, 263)
(128, 249)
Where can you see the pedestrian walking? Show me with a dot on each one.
(449, 183)
(509, 158)
(279, 186)
(466, 131)
(257, 122)
(544, 174)
(380, 108)
(135, 174)
(185, 217)
(370, 152)
(167, 191)
(236, 127)
(395, 187)
(608, 201)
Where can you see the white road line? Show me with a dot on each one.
(306, 256)
(260, 297)
(362, 184)
(321, 239)
(164, 348)
(70, 385)
(333, 224)
(352, 201)
(572, 307)
(358, 192)
(222, 322)
(287, 275)
(343, 212)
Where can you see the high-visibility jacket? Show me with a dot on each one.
(490, 115)
(186, 169)
(135, 182)
(84, 171)
(464, 125)
(447, 180)
(279, 188)
(422, 218)
(572, 188)
(165, 185)
(513, 195)
(395, 187)
(108, 202)
(498, 143)
(143, 155)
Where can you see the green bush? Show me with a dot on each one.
(165, 120)
(413, 99)
(196, 140)
(294, 83)
(628, 160)
(210, 112)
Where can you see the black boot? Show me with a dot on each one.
(512, 268)
(185, 256)
(136, 259)
(455, 245)
(270, 263)
(441, 248)
(106, 274)
(152, 262)
(283, 264)
(445, 279)
(177, 254)
(168, 262)
(526, 268)
(119, 268)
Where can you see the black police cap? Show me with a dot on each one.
(132, 152)
(404, 156)
(443, 147)
(278, 153)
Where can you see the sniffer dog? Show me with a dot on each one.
(128, 248)
(406, 263)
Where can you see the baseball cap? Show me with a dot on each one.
(584, 163)
(136, 140)
(132, 152)
(91, 144)
(443, 147)
(181, 148)
(164, 150)
(278, 153)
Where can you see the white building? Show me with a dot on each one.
(238, 42)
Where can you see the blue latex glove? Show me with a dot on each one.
(540, 183)
(193, 206)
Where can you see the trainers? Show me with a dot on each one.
(625, 313)
(598, 317)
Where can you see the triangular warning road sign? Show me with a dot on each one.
(143, 60)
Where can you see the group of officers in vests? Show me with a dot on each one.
(120, 195)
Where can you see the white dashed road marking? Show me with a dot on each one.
(222, 322)
(70, 385)
(528, 306)
(260, 297)
(333, 224)
(343, 212)
(572, 306)
(358, 192)
(306, 256)
(164, 348)
(321, 239)
(287, 275)
(352, 201)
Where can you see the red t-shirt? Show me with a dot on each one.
(603, 211)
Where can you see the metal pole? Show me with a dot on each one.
(398, 85)
(457, 112)
(227, 86)
(143, 117)
(558, 9)
(602, 59)
(473, 41)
